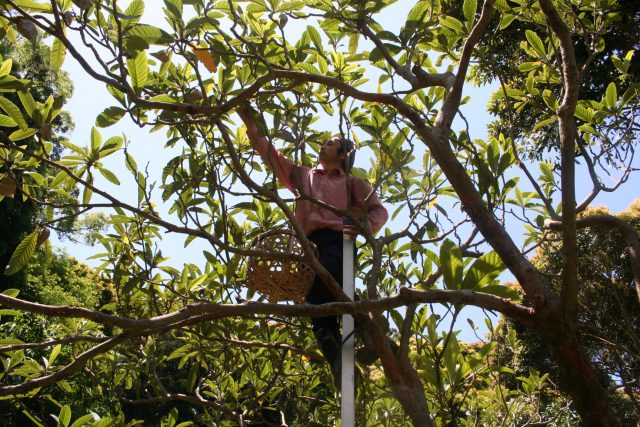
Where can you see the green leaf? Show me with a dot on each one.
(353, 43)
(501, 291)
(73, 147)
(64, 418)
(135, 9)
(451, 264)
(528, 66)
(33, 6)
(550, 99)
(28, 102)
(11, 84)
(14, 112)
(83, 420)
(453, 23)
(469, 9)
(150, 34)
(507, 19)
(6, 121)
(138, 70)
(58, 52)
(96, 140)
(536, 43)
(450, 356)
(11, 292)
(619, 64)
(309, 68)
(545, 122)
(5, 67)
(54, 353)
(315, 37)
(112, 145)
(174, 8)
(611, 96)
(483, 270)
(48, 252)
(22, 254)
(66, 387)
(86, 195)
(110, 176)
(22, 134)
(110, 116)
(584, 113)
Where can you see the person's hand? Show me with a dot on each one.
(349, 232)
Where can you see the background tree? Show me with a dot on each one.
(60, 280)
(29, 60)
(609, 310)
(451, 193)
(598, 58)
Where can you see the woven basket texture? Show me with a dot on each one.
(279, 279)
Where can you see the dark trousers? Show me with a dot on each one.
(327, 329)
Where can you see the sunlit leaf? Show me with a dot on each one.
(110, 116)
(110, 176)
(14, 112)
(150, 34)
(536, 43)
(138, 70)
(451, 264)
(22, 134)
(64, 418)
(611, 95)
(22, 254)
(6, 121)
(483, 270)
(469, 10)
(58, 52)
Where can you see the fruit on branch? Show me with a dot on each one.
(27, 29)
(43, 235)
(7, 186)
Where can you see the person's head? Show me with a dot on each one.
(337, 152)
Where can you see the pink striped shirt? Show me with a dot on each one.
(329, 188)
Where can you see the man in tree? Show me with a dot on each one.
(329, 184)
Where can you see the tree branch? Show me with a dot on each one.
(452, 100)
(568, 133)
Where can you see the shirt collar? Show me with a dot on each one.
(321, 171)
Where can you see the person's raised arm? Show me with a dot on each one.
(259, 142)
(281, 166)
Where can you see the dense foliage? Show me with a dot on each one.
(188, 343)
(609, 312)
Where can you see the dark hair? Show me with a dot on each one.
(347, 146)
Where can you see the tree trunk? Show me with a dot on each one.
(578, 377)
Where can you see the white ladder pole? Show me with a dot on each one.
(347, 403)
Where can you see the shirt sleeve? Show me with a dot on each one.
(377, 214)
(281, 166)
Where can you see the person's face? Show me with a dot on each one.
(329, 153)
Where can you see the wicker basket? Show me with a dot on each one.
(279, 279)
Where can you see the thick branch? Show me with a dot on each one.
(50, 343)
(78, 363)
(452, 100)
(210, 311)
(416, 76)
(568, 132)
